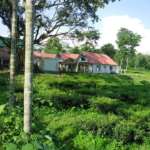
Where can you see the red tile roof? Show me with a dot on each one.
(95, 58)
(92, 58)
(43, 55)
(68, 56)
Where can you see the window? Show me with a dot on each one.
(98, 68)
(83, 58)
(111, 68)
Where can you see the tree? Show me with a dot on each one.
(127, 42)
(28, 65)
(53, 18)
(66, 16)
(53, 46)
(6, 8)
(89, 37)
(12, 5)
(87, 40)
(75, 50)
(87, 47)
(143, 61)
(109, 50)
(13, 51)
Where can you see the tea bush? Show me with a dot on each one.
(106, 104)
(79, 111)
(68, 100)
(86, 141)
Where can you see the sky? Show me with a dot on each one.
(3, 30)
(131, 14)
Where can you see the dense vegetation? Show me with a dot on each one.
(80, 112)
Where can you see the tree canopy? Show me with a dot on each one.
(53, 45)
(109, 50)
(90, 36)
(55, 17)
(127, 42)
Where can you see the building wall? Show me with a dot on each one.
(50, 65)
(97, 68)
(116, 69)
(47, 65)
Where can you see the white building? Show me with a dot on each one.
(97, 63)
(46, 62)
(86, 62)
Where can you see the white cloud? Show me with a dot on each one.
(112, 24)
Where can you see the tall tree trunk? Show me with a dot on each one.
(28, 65)
(77, 67)
(135, 63)
(127, 63)
(121, 65)
(13, 52)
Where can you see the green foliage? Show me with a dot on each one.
(109, 50)
(84, 141)
(86, 47)
(63, 100)
(28, 147)
(68, 15)
(106, 104)
(88, 38)
(75, 50)
(126, 132)
(127, 42)
(2, 108)
(141, 61)
(11, 147)
(81, 111)
(53, 46)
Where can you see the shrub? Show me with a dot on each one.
(144, 146)
(106, 104)
(87, 141)
(3, 81)
(69, 100)
(128, 132)
(88, 91)
(67, 133)
(33, 144)
(94, 122)
(111, 110)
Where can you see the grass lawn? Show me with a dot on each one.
(80, 112)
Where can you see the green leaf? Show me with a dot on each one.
(28, 147)
(11, 146)
(2, 107)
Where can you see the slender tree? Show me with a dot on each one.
(28, 65)
(127, 42)
(13, 51)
